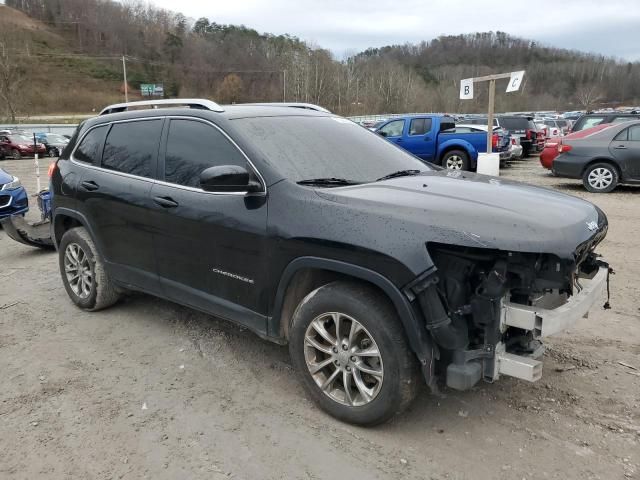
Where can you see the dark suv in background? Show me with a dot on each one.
(592, 119)
(374, 267)
(523, 129)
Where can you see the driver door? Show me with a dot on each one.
(393, 131)
(209, 246)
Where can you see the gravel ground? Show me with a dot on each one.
(149, 389)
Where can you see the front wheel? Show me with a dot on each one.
(52, 152)
(600, 178)
(16, 154)
(456, 160)
(349, 347)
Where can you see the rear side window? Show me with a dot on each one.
(634, 133)
(192, 147)
(516, 123)
(419, 126)
(621, 119)
(132, 147)
(89, 149)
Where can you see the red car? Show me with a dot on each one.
(17, 146)
(553, 146)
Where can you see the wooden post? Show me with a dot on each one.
(492, 96)
(124, 73)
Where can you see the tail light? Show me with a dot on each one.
(513, 141)
(52, 169)
(564, 148)
(494, 140)
(529, 132)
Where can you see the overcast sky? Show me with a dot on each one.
(610, 27)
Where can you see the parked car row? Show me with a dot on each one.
(19, 143)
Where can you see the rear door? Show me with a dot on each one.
(626, 149)
(420, 138)
(114, 196)
(210, 247)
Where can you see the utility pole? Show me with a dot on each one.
(284, 85)
(124, 71)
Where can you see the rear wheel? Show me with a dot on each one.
(83, 274)
(600, 178)
(351, 352)
(15, 153)
(456, 160)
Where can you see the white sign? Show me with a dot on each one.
(515, 81)
(466, 89)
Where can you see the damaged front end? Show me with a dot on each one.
(487, 310)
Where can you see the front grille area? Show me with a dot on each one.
(5, 201)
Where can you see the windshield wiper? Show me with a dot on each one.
(327, 182)
(399, 173)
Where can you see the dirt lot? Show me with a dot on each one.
(149, 389)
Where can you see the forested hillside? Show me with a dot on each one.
(66, 56)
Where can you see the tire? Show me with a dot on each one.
(600, 178)
(99, 291)
(373, 397)
(52, 152)
(456, 160)
(16, 154)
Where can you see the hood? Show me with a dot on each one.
(5, 177)
(466, 209)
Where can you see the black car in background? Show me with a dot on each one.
(592, 119)
(375, 268)
(602, 160)
(522, 128)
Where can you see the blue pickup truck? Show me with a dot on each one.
(436, 139)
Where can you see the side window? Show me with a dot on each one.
(622, 136)
(194, 146)
(419, 126)
(132, 147)
(89, 149)
(393, 129)
(621, 119)
(634, 133)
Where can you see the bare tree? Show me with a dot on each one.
(588, 95)
(11, 76)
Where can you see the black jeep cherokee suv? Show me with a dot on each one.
(375, 268)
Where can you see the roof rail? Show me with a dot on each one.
(305, 106)
(196, 103)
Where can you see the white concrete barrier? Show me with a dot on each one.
(489, 164)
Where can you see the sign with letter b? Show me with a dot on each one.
(466, 89)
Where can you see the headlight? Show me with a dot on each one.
(12, 185)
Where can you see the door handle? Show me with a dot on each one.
(90, 185)
(165, 202)
(399, 140)
(427, 139)
(620, 147)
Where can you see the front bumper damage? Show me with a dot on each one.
(543, 322)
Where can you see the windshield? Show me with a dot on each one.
(587, 122)
(303, 148)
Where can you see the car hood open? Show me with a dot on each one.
(463, 208)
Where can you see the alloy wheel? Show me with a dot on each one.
(77, 269)
(600, 178)
(454, 162)
(343, 359)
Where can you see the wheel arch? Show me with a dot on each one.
(65, 219)
(607, 160)
(462, 145)
(305, 274)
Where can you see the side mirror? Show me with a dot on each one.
(380, 132)
(228, 178)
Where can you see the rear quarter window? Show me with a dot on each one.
(91, 145)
